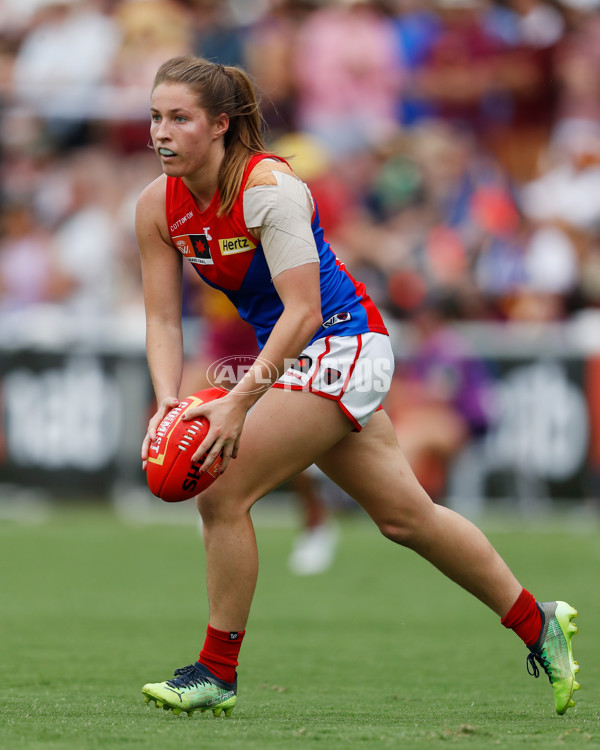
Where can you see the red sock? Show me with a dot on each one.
(524, 618)
(220, 652)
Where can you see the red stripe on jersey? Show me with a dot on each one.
(374, 319)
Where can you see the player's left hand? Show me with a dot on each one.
(226, 418)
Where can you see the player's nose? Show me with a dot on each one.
(162, 132)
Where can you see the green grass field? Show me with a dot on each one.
(380, 652)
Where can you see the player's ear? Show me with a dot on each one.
(221, 125)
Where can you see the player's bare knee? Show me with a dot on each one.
(401, 531)
(209, 507)
(406, 524)
(216, 507)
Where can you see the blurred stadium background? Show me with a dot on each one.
(453, 147)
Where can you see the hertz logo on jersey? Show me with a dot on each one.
(234, 245)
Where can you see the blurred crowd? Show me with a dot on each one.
(453, 146)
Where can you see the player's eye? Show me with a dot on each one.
(155, 117)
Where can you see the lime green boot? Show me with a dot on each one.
(193, 688)
(553, 652)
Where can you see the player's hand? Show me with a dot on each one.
(165, 406)
(226, 418)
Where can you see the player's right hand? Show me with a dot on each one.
(168, 403)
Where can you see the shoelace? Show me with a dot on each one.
(187, 677)
(532, 667)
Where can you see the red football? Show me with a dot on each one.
(171, 473)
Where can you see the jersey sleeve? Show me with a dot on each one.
(282, 214)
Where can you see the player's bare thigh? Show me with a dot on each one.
(283, 434)
(370, 466)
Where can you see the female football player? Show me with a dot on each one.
(250, 228)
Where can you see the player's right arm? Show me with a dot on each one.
(162, 285)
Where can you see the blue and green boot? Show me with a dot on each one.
(193, 688)
(554, 653)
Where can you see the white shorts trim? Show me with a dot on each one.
(355, 371)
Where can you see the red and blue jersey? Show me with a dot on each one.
(226, 256)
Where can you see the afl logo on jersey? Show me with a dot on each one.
(342, 317)
(195, 248)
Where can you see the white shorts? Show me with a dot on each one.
(355, 371)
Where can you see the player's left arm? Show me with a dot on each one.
(278, 209)
(281, 218)
(299, 291)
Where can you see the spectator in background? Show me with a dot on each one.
(418, 27)
(451, 197)
(270, 53)
(482, 73)
(531, 30)
(216, 36)
(568, 188)
(29, 272)
(151, 31)
(87, 238)
(16, 16)
(64, 57)
(348, 75)
(562, 210)
(463, 75)
(576, 61)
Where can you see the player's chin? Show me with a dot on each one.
(169, 171)
(173, 167)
